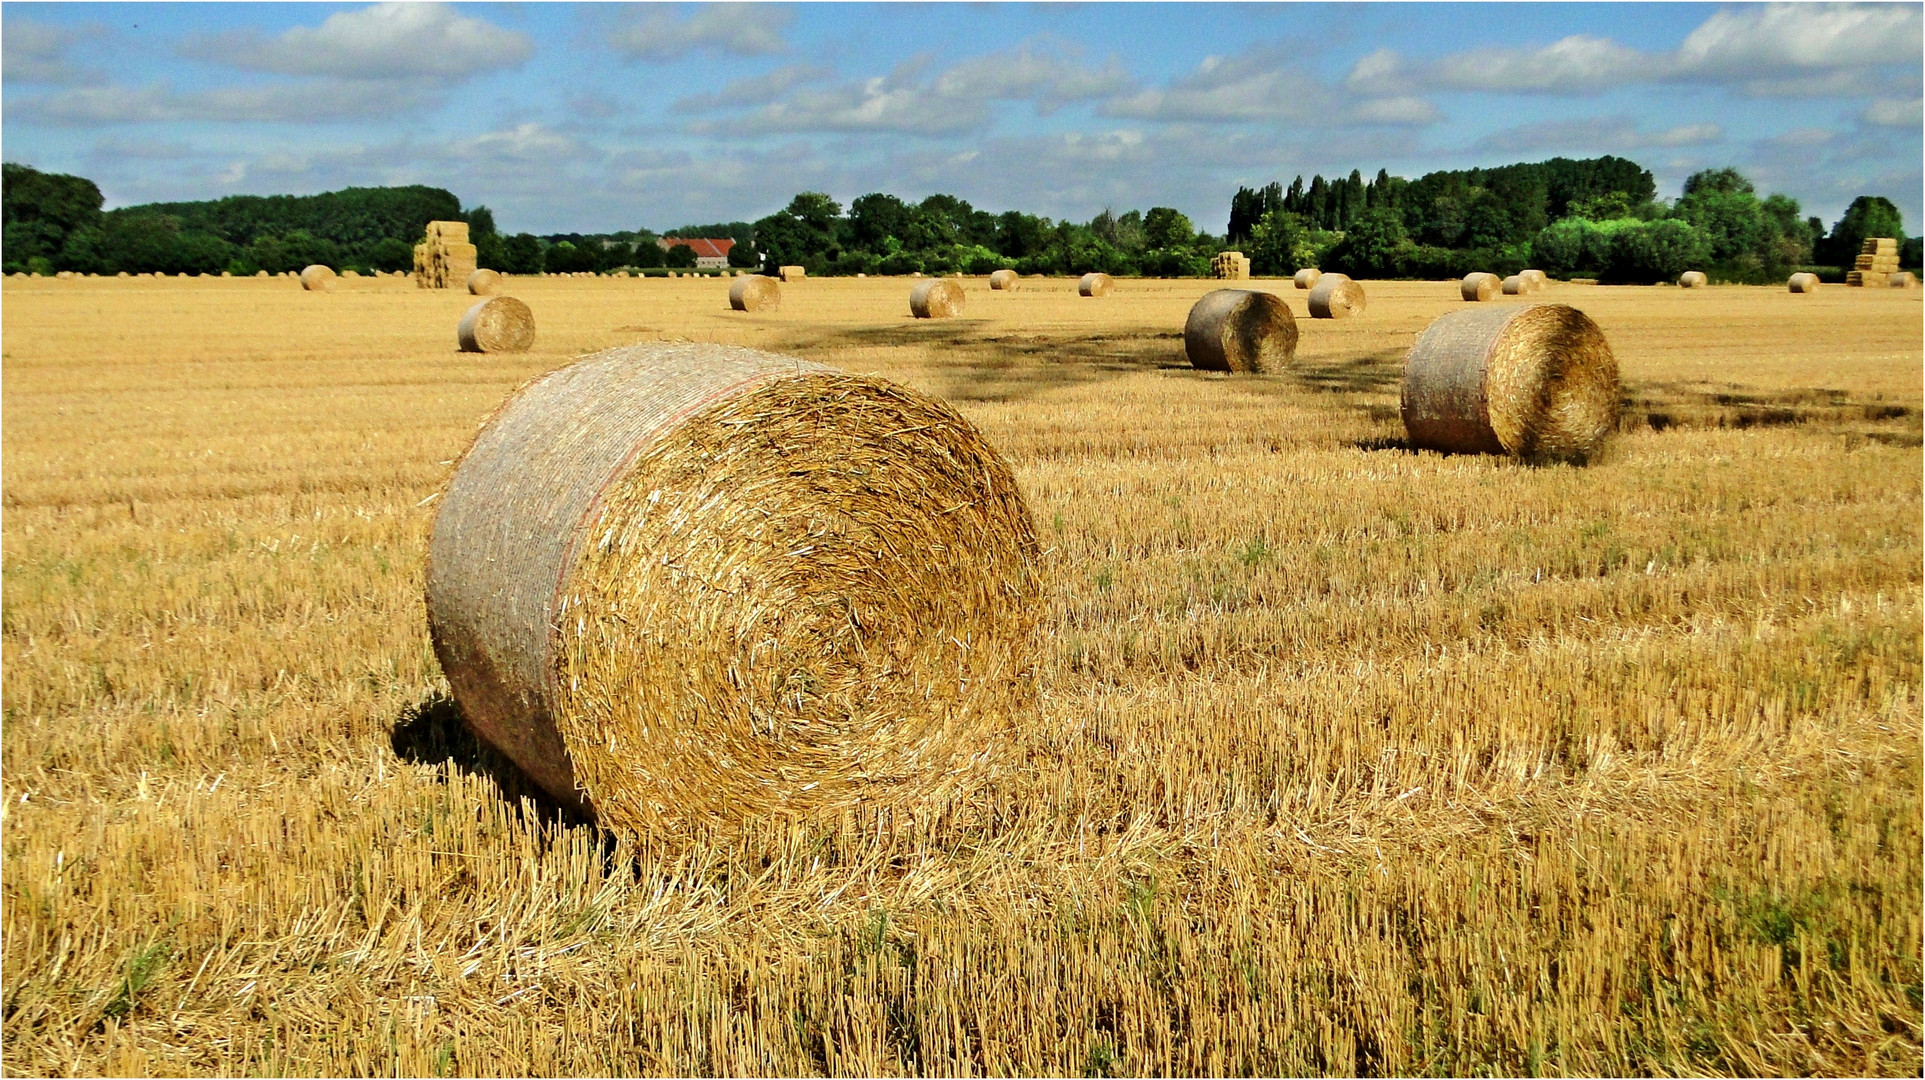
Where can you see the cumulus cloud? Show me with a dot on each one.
(1609, 134)
(655, 33)
(898, 103)
(320, 102)
(1028, 73)
(34, 52)
(1776, 49)
(755, 90)
(385, 41)
(1895, 112)
(1271, 85)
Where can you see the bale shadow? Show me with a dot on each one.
(1375, 373)
(433, 732)
(1009, 367)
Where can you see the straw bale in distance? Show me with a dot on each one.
(1537, 279)
(757, 292)
(1240, 330)
(1230, 266)
(1095, 284)
(1692, 279)
(1904, 279)
(497, 324)
(484, 283)
(1803, 283)
(794, 273)
(1478, 287)
(1515, 285)
(1537, 382)
(936, 298)
(684, 584)
(1336, 297)
(1306, 278)
(317, 278)
(1003, 281)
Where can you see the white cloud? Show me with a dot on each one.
(34, 52)
(321, 101)
(755, 90)
(1406, 110)
(1611, 134)
(385, 41)
(1895, 112)
(891, 103)
(1262, 84)
(654, 33)
(1027, 74)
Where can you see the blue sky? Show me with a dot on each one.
(598, 117)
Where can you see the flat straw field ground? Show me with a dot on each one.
(1347, 759)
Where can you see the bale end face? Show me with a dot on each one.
(1306, 278)
(1095, 285)
(1537, 382)
(1004, 281)
(1479, 287)
(1336, 297)
(755, 293)
(794, 273)
(936, 298)
(496, 325)
(1240, 330)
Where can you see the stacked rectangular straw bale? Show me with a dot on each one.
(445, 258)
(1876, 264)
(1230, 266)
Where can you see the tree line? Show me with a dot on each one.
(1598, 217)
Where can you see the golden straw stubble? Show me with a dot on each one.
(936, 298)
(769, 588)
(1537, 382)
(1336, 297)
(497, 324)
(1095, 284)
(756, 292)
(1240, 330)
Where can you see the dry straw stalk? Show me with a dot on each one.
(1306, 278)
(495, 325)
(1537, 382)
(1095, 284)
(1336, 297)
(1240, 330)
(1478, 287)
(936, 298)
(685, 584)
(757, 292)
(484, 283)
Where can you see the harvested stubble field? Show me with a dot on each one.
(1347, 759)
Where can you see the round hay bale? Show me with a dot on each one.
(1803, 283)
(123, 274)
(1478, 287)
(1536, 279)
(687, 584)
(1240, 330)
(756, 293)
(1336, 297)
(1904, 279)
(1004, 281)
(1692, 279)
(69, 275)
(936, 298)
(1538, 382)
(1307, 277)
(497, 324)
(317, 278)
(1095, 285)
(1516, 286)
(484, 282)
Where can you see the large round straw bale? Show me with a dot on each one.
(684, 584)
(1003, 281)
(755, 293)
(497, 324)
(1904, 279)
(1240, 330)
(1537, 382)
(1336, 297)
(1306, 278)
(936, 298)
(1515, 285)
(1537, 279)
(1692, 279)
(1478, 287)
(317, 278)
(484, 282)
(1095, 285)
(1803, 283)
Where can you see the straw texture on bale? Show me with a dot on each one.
(317, 278)
(755, 293)
(794, 273)
(484, 283)
(1803, 283)
(1240, 330)
(1692, 279)
(1094, 285)
(1904, 279)
(937, 298)
(1537, 382)
(684, 584)
(1306, 278)
(497, 324)
(1003, 281)
(1478, 287)
(1336, 297)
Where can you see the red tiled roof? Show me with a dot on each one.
(704, 249)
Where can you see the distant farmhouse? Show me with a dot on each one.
(709, 254)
